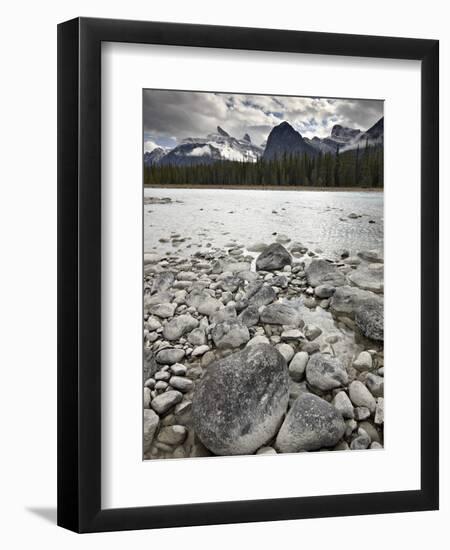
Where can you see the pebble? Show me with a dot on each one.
(164, 402)
(363, 361)
(151, 421)
(178, 369)
(286, 351)
(147, 398)
(312, 332)
(379, 412)
(200, 350)
(169, 356)
(361, 441)
(362, 413)
(375, 384)
(325, 372)
(172, 435)
(361, 396)
(292, 334)
(342, 403)
(181, 383)
(297, 366)
(266, 451)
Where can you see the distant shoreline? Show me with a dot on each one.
(267, 188)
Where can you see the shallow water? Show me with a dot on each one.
(221, 216)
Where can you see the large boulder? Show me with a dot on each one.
(325, 372)
(311, 424)
(320, 272)
(274, 257)
(239, 404)
(280, 314)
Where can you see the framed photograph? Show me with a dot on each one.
(248, 275)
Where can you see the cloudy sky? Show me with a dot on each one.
(171, 116)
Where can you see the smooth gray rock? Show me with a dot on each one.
(150, 366)
(181, 383)
(274, 257)
(257, 247)
(347, 299)
(297, 366)
(249, 316)
(279, 314)
(361, 413)
(165, 401)
(320, 272)
(372, 256)
(342, 403)
(169, 356)
(311, 424)
(230, 334)
(172, 435)
(178, 369)
(225, 314)
(363, 361)
(360, 396)
(361, 442)
(258, 339)
(325, 372)
(371, 430)
(292, 335)
(197, 337)
(239, 403)
(324, 291)
(375, 384)
(203, 302)
(286, 351)
(151, 421)
(199, 350)
(367, 279)
(164, 311)
(153, 323)
(379, 411)
(147, 398)
(369, 317)
(258, 294)
(178, 326)
(162, 281)
(312, 332)
(266, 451)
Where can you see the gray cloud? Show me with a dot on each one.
(170, 116)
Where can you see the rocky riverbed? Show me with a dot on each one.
(262, 348)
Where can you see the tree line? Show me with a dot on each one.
(361, 167)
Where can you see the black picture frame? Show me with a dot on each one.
(79, 274)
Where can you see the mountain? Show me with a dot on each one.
(342, 134)
(376, 132)
(153, 157)
(283, 139)
(212, 148)
(347, 139)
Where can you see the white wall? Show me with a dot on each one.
(28, 267)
